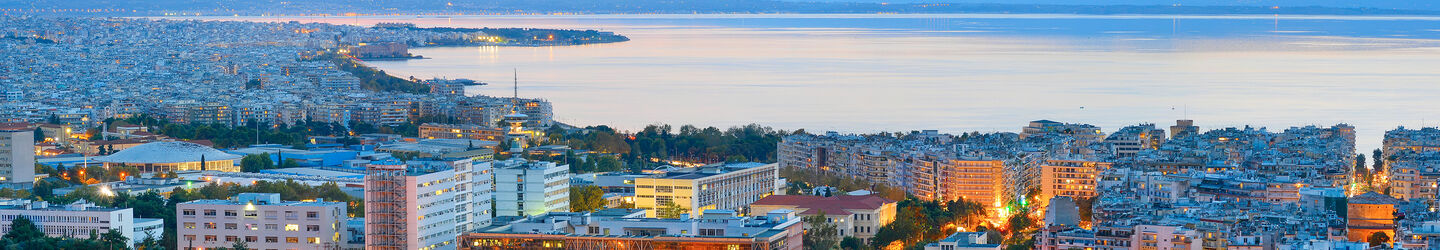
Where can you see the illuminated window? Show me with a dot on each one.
(292, 227)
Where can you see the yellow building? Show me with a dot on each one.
(1073, 178)
(172, 156)
(694, 190)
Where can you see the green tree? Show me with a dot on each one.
(256, 162)
(39, 134)
(670, 211)
(820, 233)
(586, 198)
(1379, 161)
(113, 239)
(1378, 239)
(240, 245)
(852, 243)
(22, 229)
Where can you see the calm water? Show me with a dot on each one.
(956, 73)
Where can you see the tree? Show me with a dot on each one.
(852, 243)
(1379, 161)
(240, 245)
(22, 229)
(586, 198)
(670, 211)
(820, 233)
(113, 239)
(39, 134)
(1378, 239)
(256, 162)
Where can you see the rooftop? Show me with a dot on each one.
(167, 152)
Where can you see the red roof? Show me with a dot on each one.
(834, 205)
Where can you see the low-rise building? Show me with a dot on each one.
(261, 221)
(626, 229)
(718, 186)
(77, 219)
(854, 216)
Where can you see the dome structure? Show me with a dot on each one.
(172, 156)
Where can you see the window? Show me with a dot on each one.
(312, 215)
(188, 212)
(272, 227)
(272, 239)
(209, 225)
(189, 237)
(231, 226)
(312, 228)
(292, 240)
(209, 212)
(210, 238)
(292, 227)
(190, 225)
(252, 239)
(313, 240)
(230, 213)
(231, 238)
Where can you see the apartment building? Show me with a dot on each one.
(17, 158)
(425, 204)
(1073, 178)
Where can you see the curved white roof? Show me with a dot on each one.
(167, 152)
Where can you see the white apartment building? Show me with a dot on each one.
(425, 204)
(78, 219)
(262, 221)
(17, 158)
(525, 188)
(717, 186)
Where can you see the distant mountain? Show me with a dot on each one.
(276, 7)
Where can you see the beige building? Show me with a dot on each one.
(262, 221)
(1073, 178)
(719, 186)
(855, 216)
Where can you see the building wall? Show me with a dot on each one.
(523, 191)
(58, 222)
(17, 158)
(731, 190)
(320, 225)
(1076, 179)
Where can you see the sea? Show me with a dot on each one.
(867, 73)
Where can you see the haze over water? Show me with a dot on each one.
(960, 73)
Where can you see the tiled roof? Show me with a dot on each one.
(1374, 198)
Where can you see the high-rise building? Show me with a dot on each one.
(717, 186)
(425, 204)
(17, 158)
(524, 188)
(261, 221)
